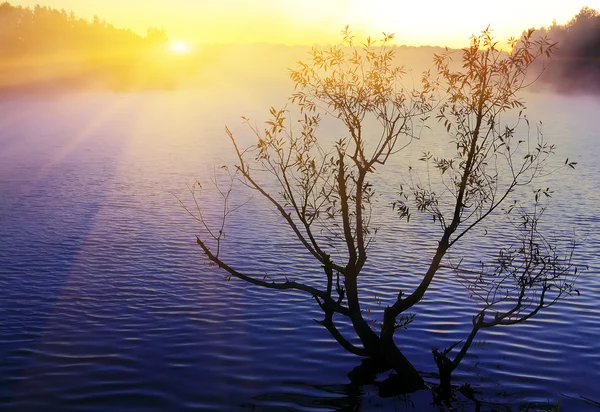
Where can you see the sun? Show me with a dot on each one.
(180, 47)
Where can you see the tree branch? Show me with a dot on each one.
(338, 308)
(330, 326)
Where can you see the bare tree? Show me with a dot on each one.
(325, 192)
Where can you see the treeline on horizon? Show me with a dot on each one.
(44, 47)
(575, 66)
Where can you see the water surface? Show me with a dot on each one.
(106, 302)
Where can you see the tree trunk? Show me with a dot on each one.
(445, 367)
(405, 380)
(408, 377)
(384, 352)
(369, 339)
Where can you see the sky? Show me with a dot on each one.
(422, 22)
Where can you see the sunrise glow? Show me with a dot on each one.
(316, 21)
(179, 47)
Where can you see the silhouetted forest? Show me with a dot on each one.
(42, 47)
(576, 63)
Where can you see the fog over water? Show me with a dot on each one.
(106, 302)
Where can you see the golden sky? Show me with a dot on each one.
(418, 22)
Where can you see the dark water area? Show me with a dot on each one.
(107, 304)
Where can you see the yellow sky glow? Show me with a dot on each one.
(179, 47)
(439, 23)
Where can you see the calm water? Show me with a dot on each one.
(105, 303)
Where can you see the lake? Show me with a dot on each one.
(107, 304)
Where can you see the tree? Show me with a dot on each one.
(576, 66)
(326, 189)
(155, 36)
(40, 41)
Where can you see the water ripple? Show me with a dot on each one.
(107, 305)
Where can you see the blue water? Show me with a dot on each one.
(107, 304)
